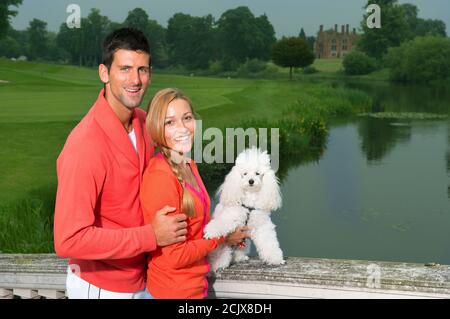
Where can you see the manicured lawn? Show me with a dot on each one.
(328, 65)
(41, 103)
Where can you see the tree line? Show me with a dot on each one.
(412, 48)
(190, 41)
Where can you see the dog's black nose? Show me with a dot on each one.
(251, 181)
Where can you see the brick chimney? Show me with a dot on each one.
(342, 29)
(335, 28)
(347, 28)
(321, 28)
(354, 30)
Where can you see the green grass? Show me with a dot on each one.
(328, 65)
(41, 103)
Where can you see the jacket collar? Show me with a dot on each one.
(114, 130)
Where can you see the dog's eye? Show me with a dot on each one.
(257, 173)
(245, 174)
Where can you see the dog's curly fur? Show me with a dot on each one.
(249, 194)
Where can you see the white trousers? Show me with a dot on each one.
(78, 288)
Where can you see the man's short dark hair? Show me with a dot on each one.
(126, 39)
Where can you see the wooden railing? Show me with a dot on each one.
(44, 275)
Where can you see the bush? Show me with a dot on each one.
(358, 63)
(215, 67)
(255, 65)
(422, 60)
(310, 70)
(251, 67)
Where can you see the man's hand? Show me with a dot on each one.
(169, 229)
(238, 236)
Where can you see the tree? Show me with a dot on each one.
(421, 27)
(38, 41)
(422, 60)
(137, 18)
(84, 44)
(309, 40)
(242, 36)
(264, 38)
(430, 27)
(9, 47)
(155, 33)
(292, 52)
(6, 14)
(14, 44)
(302, 34)
(410, 12)
(394, 29)
(190, 40)
(358, 63)
(94, 31)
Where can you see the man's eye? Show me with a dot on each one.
(143, 70)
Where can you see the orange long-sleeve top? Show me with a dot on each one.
(98, 217)
(177, 271)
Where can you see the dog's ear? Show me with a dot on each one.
(270, 194)
(230, 192)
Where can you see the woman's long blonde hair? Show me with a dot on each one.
(155, 123)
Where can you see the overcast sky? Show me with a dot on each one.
(287, 16)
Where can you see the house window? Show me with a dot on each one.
(333, 48)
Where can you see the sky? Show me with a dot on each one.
(287, 16)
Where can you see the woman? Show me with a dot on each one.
(171, 178)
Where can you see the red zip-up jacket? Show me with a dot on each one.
(99, 223)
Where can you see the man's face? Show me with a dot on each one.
(128, 78)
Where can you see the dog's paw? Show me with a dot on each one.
(275, 262)
(211, 231)
(241, 258)
(217, 265)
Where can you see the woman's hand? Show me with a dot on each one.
(237, 237)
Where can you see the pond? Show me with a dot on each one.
(381, 189)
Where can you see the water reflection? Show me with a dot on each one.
(405, 98)
(380, 136)
(343, 206)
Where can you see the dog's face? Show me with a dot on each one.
(252, 175)
(252, 165)
(251, 179)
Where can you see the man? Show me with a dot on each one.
(98, 219)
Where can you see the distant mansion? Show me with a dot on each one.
(333, 44)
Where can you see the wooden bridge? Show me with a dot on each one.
(44, 275)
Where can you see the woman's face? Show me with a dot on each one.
(179, 126)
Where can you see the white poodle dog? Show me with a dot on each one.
(247, 197)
